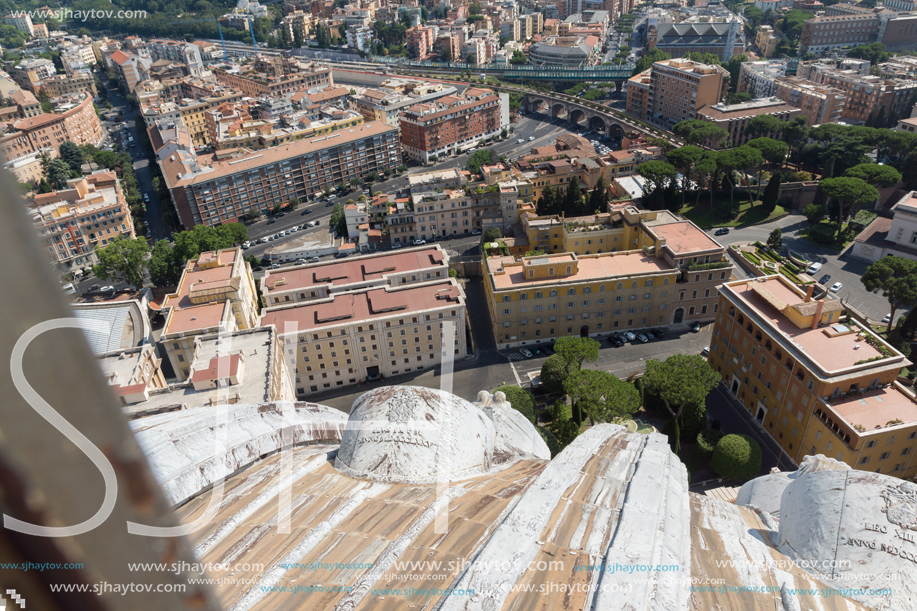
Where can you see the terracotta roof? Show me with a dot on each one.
(120, 57)
(223, 366)
(684, 237)
(195, 318)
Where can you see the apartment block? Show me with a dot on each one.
(757, 78)
(734, 118)
(191, 113)
(76, 122)
(420, 42)
(224, 187)
(29, 73)
(766, 41)
(388, 105)
(131, 69)
(817, 380)
(558, 172)
(24, 105)
(27, 169)
(61, 85)
(90, 213)
(724, 39)
(453, 123)
(677, 89)
(825, 33)
(820, 103)
(311, 283)
(275, 77)
(216, 294)
(627, 270)
(181, 52)
(370, 333)
(866, 94)
(21, 21)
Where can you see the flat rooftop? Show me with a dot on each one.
(876, 408)
(685, 237)
(350, 308)
(199, 274)
(830, 353)
(254, 346)
(590, 267)
(185, 320)
(356, 270)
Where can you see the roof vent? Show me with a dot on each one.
(194, 318)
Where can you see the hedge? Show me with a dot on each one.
(737, 456)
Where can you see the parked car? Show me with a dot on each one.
(329, 204)
(94, 288)
(526, 353)
(275, 266)
(146, 197)
(721, 231)
(340, 255)
(642, 338)
(887, 318)
(397, 245)
(271, 221)
(246, 245)
(314, 259)
(825, 279)
(305, 212)
(107, 289)
(475, 232)
(630, 336)
(531, 138)
(695, 327)
(419, 242)
(705, 352)
(68, 289)
(813, 269)
(301, 261)
(312, 223)
(521, 140)
(836, 287)
(293, 229)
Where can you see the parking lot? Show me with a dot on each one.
(624, 359)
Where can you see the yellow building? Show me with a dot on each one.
(818, 381)
(641, 269)
(216, 291)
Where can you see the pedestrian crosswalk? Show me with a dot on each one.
(515, 356)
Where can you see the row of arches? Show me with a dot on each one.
(577, 116)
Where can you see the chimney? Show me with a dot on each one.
(817, 318)
(809, 292)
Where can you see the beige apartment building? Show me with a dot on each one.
(734, 118)
(817, 380)
(636, 269)
(61, 85)
(675, 90)
(216, 292)
(369, 332)
(275, 77)
(91, 213)
(820, 103)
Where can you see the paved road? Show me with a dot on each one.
(841, 268)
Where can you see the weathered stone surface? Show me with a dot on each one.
(764, 492)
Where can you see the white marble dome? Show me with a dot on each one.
(766, 491)
(414, 435)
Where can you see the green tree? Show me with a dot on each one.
(58, 174)
(679, 380)
(576, 350)
(547, 204)
(601, 396)
(684, 158)
(294, 203)
(796, 133)
(164, 272)
(738, 457)
(879, 176)
(696, 131)
(874, 52)
(772, 193)
(522, 400)
(553, 373)
(815, 213)
(72, 155)
(232, 234)
(660, 176)
(492, 234)
(734, 65)
(598, 197)
(739, 98)
(338, 222)
(565, 430)
(573, 198)
(847, 194)
(773, 152)
(479, 158)
(896, 279)
(775, 239)
(763, 125)
(123, 259)
(648, 59)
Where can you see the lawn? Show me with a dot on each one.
(748, 215)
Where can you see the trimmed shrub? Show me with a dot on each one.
(707, 440)
(522, 400)
(738, 457)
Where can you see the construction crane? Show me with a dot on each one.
(223, 42)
